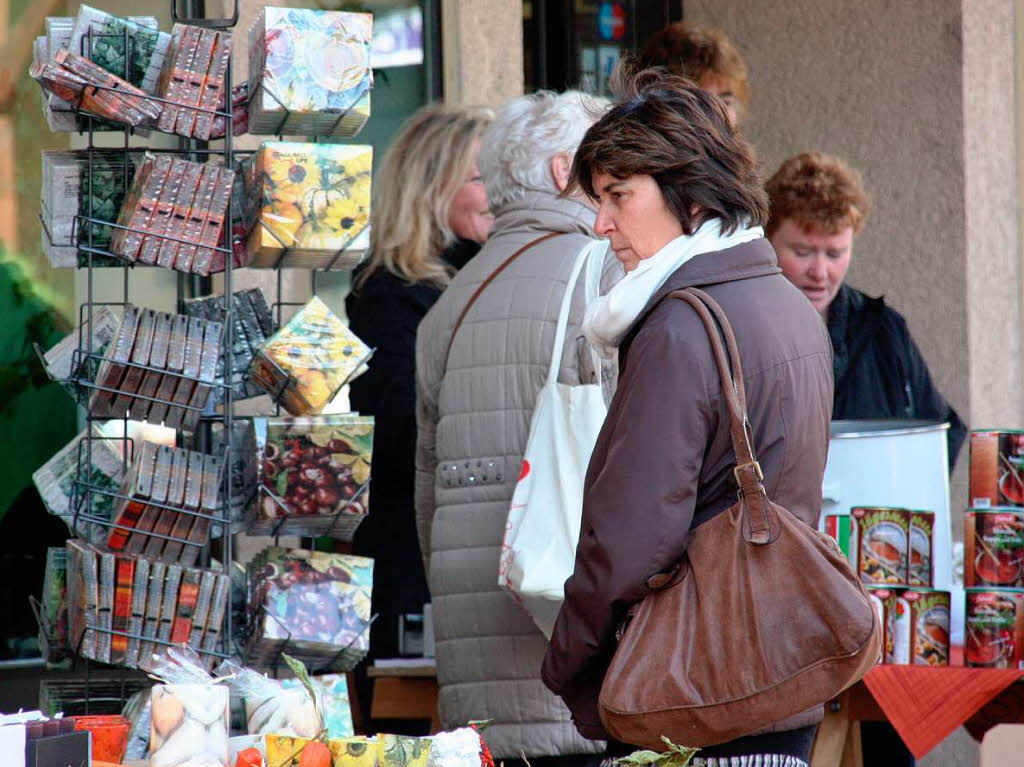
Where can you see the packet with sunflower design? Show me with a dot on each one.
(309, 205)
(304, 364)
(312, 605)
(309, 72)
(313, 475)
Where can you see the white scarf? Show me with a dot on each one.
(609, 317)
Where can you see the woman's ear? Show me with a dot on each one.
(561, 166)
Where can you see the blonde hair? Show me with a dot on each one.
(418, 178)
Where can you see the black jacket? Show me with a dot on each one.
(879, 371)
(385, 312)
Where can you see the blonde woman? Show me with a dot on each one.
(430, 216)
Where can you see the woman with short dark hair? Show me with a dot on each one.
(680, 201)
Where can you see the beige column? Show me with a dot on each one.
(482, 46)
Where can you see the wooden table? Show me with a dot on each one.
(838, 741)
(405, 692)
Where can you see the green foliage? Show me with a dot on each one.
(676, 756)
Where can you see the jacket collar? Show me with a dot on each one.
(743, 262)
(542, 212)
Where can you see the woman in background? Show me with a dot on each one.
(429, 217)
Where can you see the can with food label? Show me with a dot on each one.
(838, 526)
(994, 628)
(883, 600)
(994, 548)
(919, 549)
(920, 628)
(996, 474)
(878, 537)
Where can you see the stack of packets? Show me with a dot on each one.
(91, 88)
(463, 747)
(193, 76)
(167, 503)
(68, 360)
(309, 72)
(314, 475)
(174, 214)
(253, 324)
(102, 694)
(101, 37)
(307, 361)
(147, 602)
(83, 479)
(309, 205)
(93, 185)
(313, 605)
(243, 463)
(189, 712)
(170, 360)
(53, 607)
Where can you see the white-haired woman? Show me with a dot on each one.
(430, 216)
(474, 405)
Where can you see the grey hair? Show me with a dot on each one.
(515, 156)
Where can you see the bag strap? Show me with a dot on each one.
(488, 281)
(584, 259)
(747, 471)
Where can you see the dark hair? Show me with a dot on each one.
(817, 191)
(700, 53)
(668, 128)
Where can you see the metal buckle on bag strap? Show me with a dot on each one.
(751, 465)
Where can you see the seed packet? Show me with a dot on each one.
(139, 205)
(308, 360)
(210, 504)
(203, 390)
(183, 520)
(212, 95)
(83, 597)
(140, 357)
(116, 99)
(314, 475)
(53, 630)
(188, 596)
(135, 491)
(183, 389)
(170, 602)
(75, 185)
(140, 406)
(218, 608)
(67, 360)
(154, 594)
(193, 227)
(311, 204)
(183, 204)
(207, 584)
(105, 606)
(175, 498)
(121, 46)
(193, 82)
(123, 585)
(112, 367)
(309, 72)
(57, 482)
(317, 602)
(163, 209)
(184, 39)
(208, 260)
(175, 365)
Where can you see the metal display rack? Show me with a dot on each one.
(86, 360)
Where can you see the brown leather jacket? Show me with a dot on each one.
(663, 461)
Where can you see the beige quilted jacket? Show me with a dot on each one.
(473, 420)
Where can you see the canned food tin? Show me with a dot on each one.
(838, 526)
(996, 469)
(921, 628)
(919, 549)
(994, 548)
(884, 601)
(879, 539)
(994, 628)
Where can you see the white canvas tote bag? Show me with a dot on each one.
(543, 527)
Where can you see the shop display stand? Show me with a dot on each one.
(86, 360)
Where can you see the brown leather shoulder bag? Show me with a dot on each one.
(763, 618)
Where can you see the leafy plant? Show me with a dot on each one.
(676, 756)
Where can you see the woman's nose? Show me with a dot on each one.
(603, 225)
